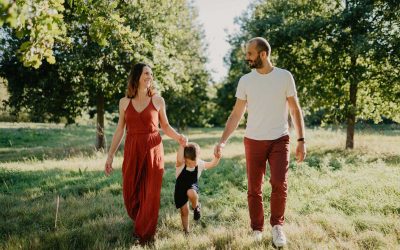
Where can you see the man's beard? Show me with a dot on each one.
(256, 64)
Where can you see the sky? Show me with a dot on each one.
(217, 18)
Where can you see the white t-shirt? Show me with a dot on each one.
(200, 168)
(267, 106)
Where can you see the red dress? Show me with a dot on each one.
(142, 169)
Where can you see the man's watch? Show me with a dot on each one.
(301, 139)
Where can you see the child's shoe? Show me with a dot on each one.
(196, 212)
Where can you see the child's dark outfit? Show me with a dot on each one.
(187, 178)
(185, 181)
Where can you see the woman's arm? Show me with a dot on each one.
(166, 128)
(118, 134)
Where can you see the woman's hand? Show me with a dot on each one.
(108, 167)
(183, 140)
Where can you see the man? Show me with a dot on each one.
(268, 92)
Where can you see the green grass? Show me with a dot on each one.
(40, 141)
(338, 199)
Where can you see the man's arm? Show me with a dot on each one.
(297, 118)
(231, 124)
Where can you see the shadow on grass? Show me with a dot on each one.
(54, 181)
(41, 153)
(28, 202)
(336, 159)
(92, 214)
(365, 129)
(91, 211)
(20, 144)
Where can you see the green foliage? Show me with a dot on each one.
(104, 39)
(39, 24)
(36, 92)
(329, 46)
(227, 89)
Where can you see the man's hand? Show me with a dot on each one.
(218, 150)
(301, 151)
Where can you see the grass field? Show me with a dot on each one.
(338, 199)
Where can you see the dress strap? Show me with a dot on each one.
(152, 103)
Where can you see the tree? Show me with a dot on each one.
(342, 54)
(103, 40)
(188, 98)
(39, 23)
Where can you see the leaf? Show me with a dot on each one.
(20, 33)
(24, 46)
(51, 59)
(12, 21)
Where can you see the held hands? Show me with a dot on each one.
(183, 140)
(218, 150)
(301, 151)
(108, 166)
(217, 157)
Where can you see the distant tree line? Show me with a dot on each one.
(344, 55)
(61, 59)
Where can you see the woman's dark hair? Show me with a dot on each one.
(133, 81)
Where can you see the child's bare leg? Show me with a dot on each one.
(185, 216)
(193, 197)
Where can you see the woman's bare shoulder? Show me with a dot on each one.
(124, 102)
(158, 101)
(158, 98)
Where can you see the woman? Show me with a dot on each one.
(141, 111)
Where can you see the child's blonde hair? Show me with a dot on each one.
(191, 151)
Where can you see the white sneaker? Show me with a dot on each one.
(278, 236)
(257, 235)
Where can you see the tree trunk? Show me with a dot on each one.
(100, 135)
(352, 108)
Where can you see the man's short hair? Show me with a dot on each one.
(261, 45)
(191, 151)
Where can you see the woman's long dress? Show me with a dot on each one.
(142, 169)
